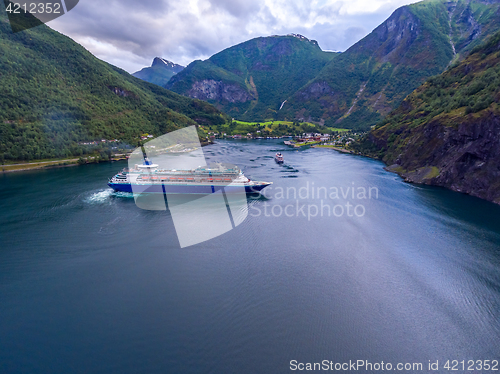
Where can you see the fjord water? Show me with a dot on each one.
(89, 283)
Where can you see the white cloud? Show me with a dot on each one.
(129, 33)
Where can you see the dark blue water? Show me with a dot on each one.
(89, 283)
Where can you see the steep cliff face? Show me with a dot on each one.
(391, 40)
(371, 78)
(211, 90)
(447, 132)
(465, 158)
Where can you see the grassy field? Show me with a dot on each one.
(306, 144)
(273, 128)
(275, 124)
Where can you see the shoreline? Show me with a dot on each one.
(423, 176)
(343, 150)
(37, 165)
(53, 164)
(62, 163)
(38, 168)
(49, 165)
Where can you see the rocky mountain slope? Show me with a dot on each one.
(371, 78)
(250, 81)
(160, 72)
(54, 95)
(447, 132)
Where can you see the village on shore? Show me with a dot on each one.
(340, 140)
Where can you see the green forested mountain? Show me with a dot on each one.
(251, 80)
(160, 71)
(447, 132)
(356, 88)
(371, 78)
(55, 95)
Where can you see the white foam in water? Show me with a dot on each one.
(104, 195)
(99, 197)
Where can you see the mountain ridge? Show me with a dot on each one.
(160, 71)
(252, 79)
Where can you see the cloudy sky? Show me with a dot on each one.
(130, 33)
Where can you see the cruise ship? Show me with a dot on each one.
(148, 178)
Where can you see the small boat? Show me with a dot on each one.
(279, 158)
